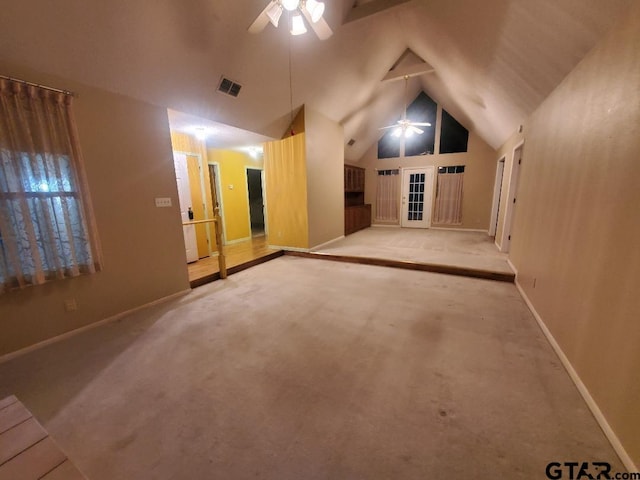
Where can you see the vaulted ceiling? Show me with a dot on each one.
(493, 61)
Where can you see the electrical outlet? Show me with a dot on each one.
(163, 202)
(70, 305)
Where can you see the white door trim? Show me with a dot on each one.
(505, 241)
(429, 171)
(497, 190)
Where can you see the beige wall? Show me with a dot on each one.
(479, 176)
(127, 152)
(576, 240)
(325, 177)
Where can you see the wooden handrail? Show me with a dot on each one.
(197, 222)
(217, 228)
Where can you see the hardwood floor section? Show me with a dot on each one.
(408, 265)
(239, 256)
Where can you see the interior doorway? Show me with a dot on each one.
(510, 207)
(417, 197)
(256, 201)
(497, 194)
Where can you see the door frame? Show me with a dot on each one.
(430, 170)
(188, 231)
(218, 180)
(514, 178)
(497, 193)
(203, 191)
(264, 197)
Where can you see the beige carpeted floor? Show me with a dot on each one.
(304, 369)
(441, 247)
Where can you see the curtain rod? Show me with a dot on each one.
(18, 80)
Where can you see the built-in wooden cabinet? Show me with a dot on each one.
(357, 214)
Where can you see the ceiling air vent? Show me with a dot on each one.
(229, 87)
(351, 142)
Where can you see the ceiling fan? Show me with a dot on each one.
(311, 10)
(405, 127)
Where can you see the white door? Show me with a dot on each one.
(510, 209)
(417, 197)
(184, 198)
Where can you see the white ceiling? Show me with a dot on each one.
(217, 135)
(494, 60)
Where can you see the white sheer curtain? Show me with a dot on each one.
(45, 232)
(448, 208)
(387, 197)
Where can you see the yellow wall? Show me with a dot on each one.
(479, 175)
(127, 153)
(189, 144)
(235, 201)
(285, 171)
(576, 231)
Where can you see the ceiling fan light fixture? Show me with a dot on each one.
(274, 12)
(290, 5)
(397, 132)
(315, 9)
(297, 25)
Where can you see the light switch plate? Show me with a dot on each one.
(163, 202)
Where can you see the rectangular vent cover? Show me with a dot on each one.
(229, 87)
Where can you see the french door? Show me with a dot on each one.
(417, 197)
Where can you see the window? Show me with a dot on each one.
(422, 109)
(448, 206)
(387, 195)
(454, 137)
(45, 232)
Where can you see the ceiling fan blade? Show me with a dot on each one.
(263, 19)
(321, 27)
(415, 129)
(421, 124)
(387, 128)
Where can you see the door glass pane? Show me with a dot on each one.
(416, 200)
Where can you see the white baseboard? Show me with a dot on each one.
(386, 225)
(238, 240)
(291, 249)
(453, 229)
(582, 388)
(71, 333)
(322, 245)
(513, 267)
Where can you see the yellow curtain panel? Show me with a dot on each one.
(285, 173)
